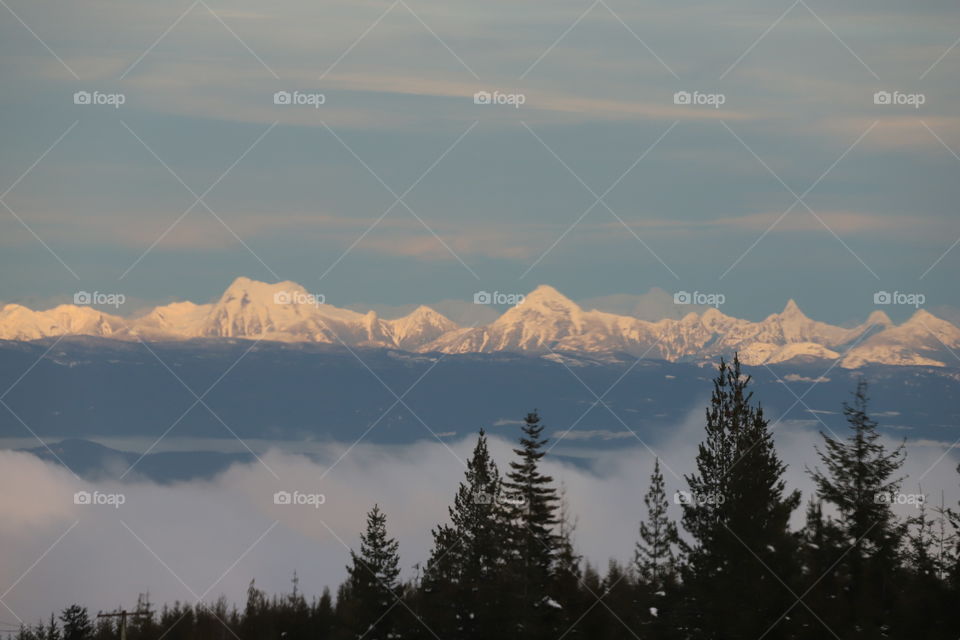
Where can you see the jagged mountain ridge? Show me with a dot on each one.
(546, 322)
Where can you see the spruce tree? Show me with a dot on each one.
(373, 578)
(464, 599)
(52, 632)
(76, 623)
(859, 481)
(567, 584)
(656, 553)
(656, 563)
(532, 510)
(737, 511)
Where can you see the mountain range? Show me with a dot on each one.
(546, 323)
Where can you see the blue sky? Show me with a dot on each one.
(500, 198)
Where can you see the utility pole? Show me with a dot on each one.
(123, 619)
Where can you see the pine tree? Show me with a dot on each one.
(859, 481)
(567, 587)
(656, 553)
(925, 605)
(52, 632)
(468, 555)
(76, 623)
(532, 510)
(374, 580)
(737, 511)
(656, 562)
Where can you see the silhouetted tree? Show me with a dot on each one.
(76, 623)
(534, 544)
(462, 579)
(737, 511)
(859, 482)
(374, 580)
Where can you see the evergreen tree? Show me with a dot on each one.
(52, 632)
(468, 555)
(374, 584)
(924, 606)
(567, 576)
(656, 553)
(25, 633)
(656, 562)
(76, 623)
(859, 481)
(737, 511)
(532, 510)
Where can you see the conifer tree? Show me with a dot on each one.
(76, 623)
(52, 632)
(532, 509)
(656, 553)
(737, 511)
(567, 587)
(859, 481)
(373, 577)
(469, 555)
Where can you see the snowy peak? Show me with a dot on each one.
(925, 319)
(547, 297)
(21, 323)
(546, 321)
(421, 326)
(878, 319)
(792, 310)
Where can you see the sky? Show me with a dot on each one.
(782, 179)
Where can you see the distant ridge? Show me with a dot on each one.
(546, 322)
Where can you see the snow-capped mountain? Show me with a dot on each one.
(546, 322)
(20, 323)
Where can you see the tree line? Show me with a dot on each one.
(505, 565)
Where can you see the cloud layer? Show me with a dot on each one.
(204, 539)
